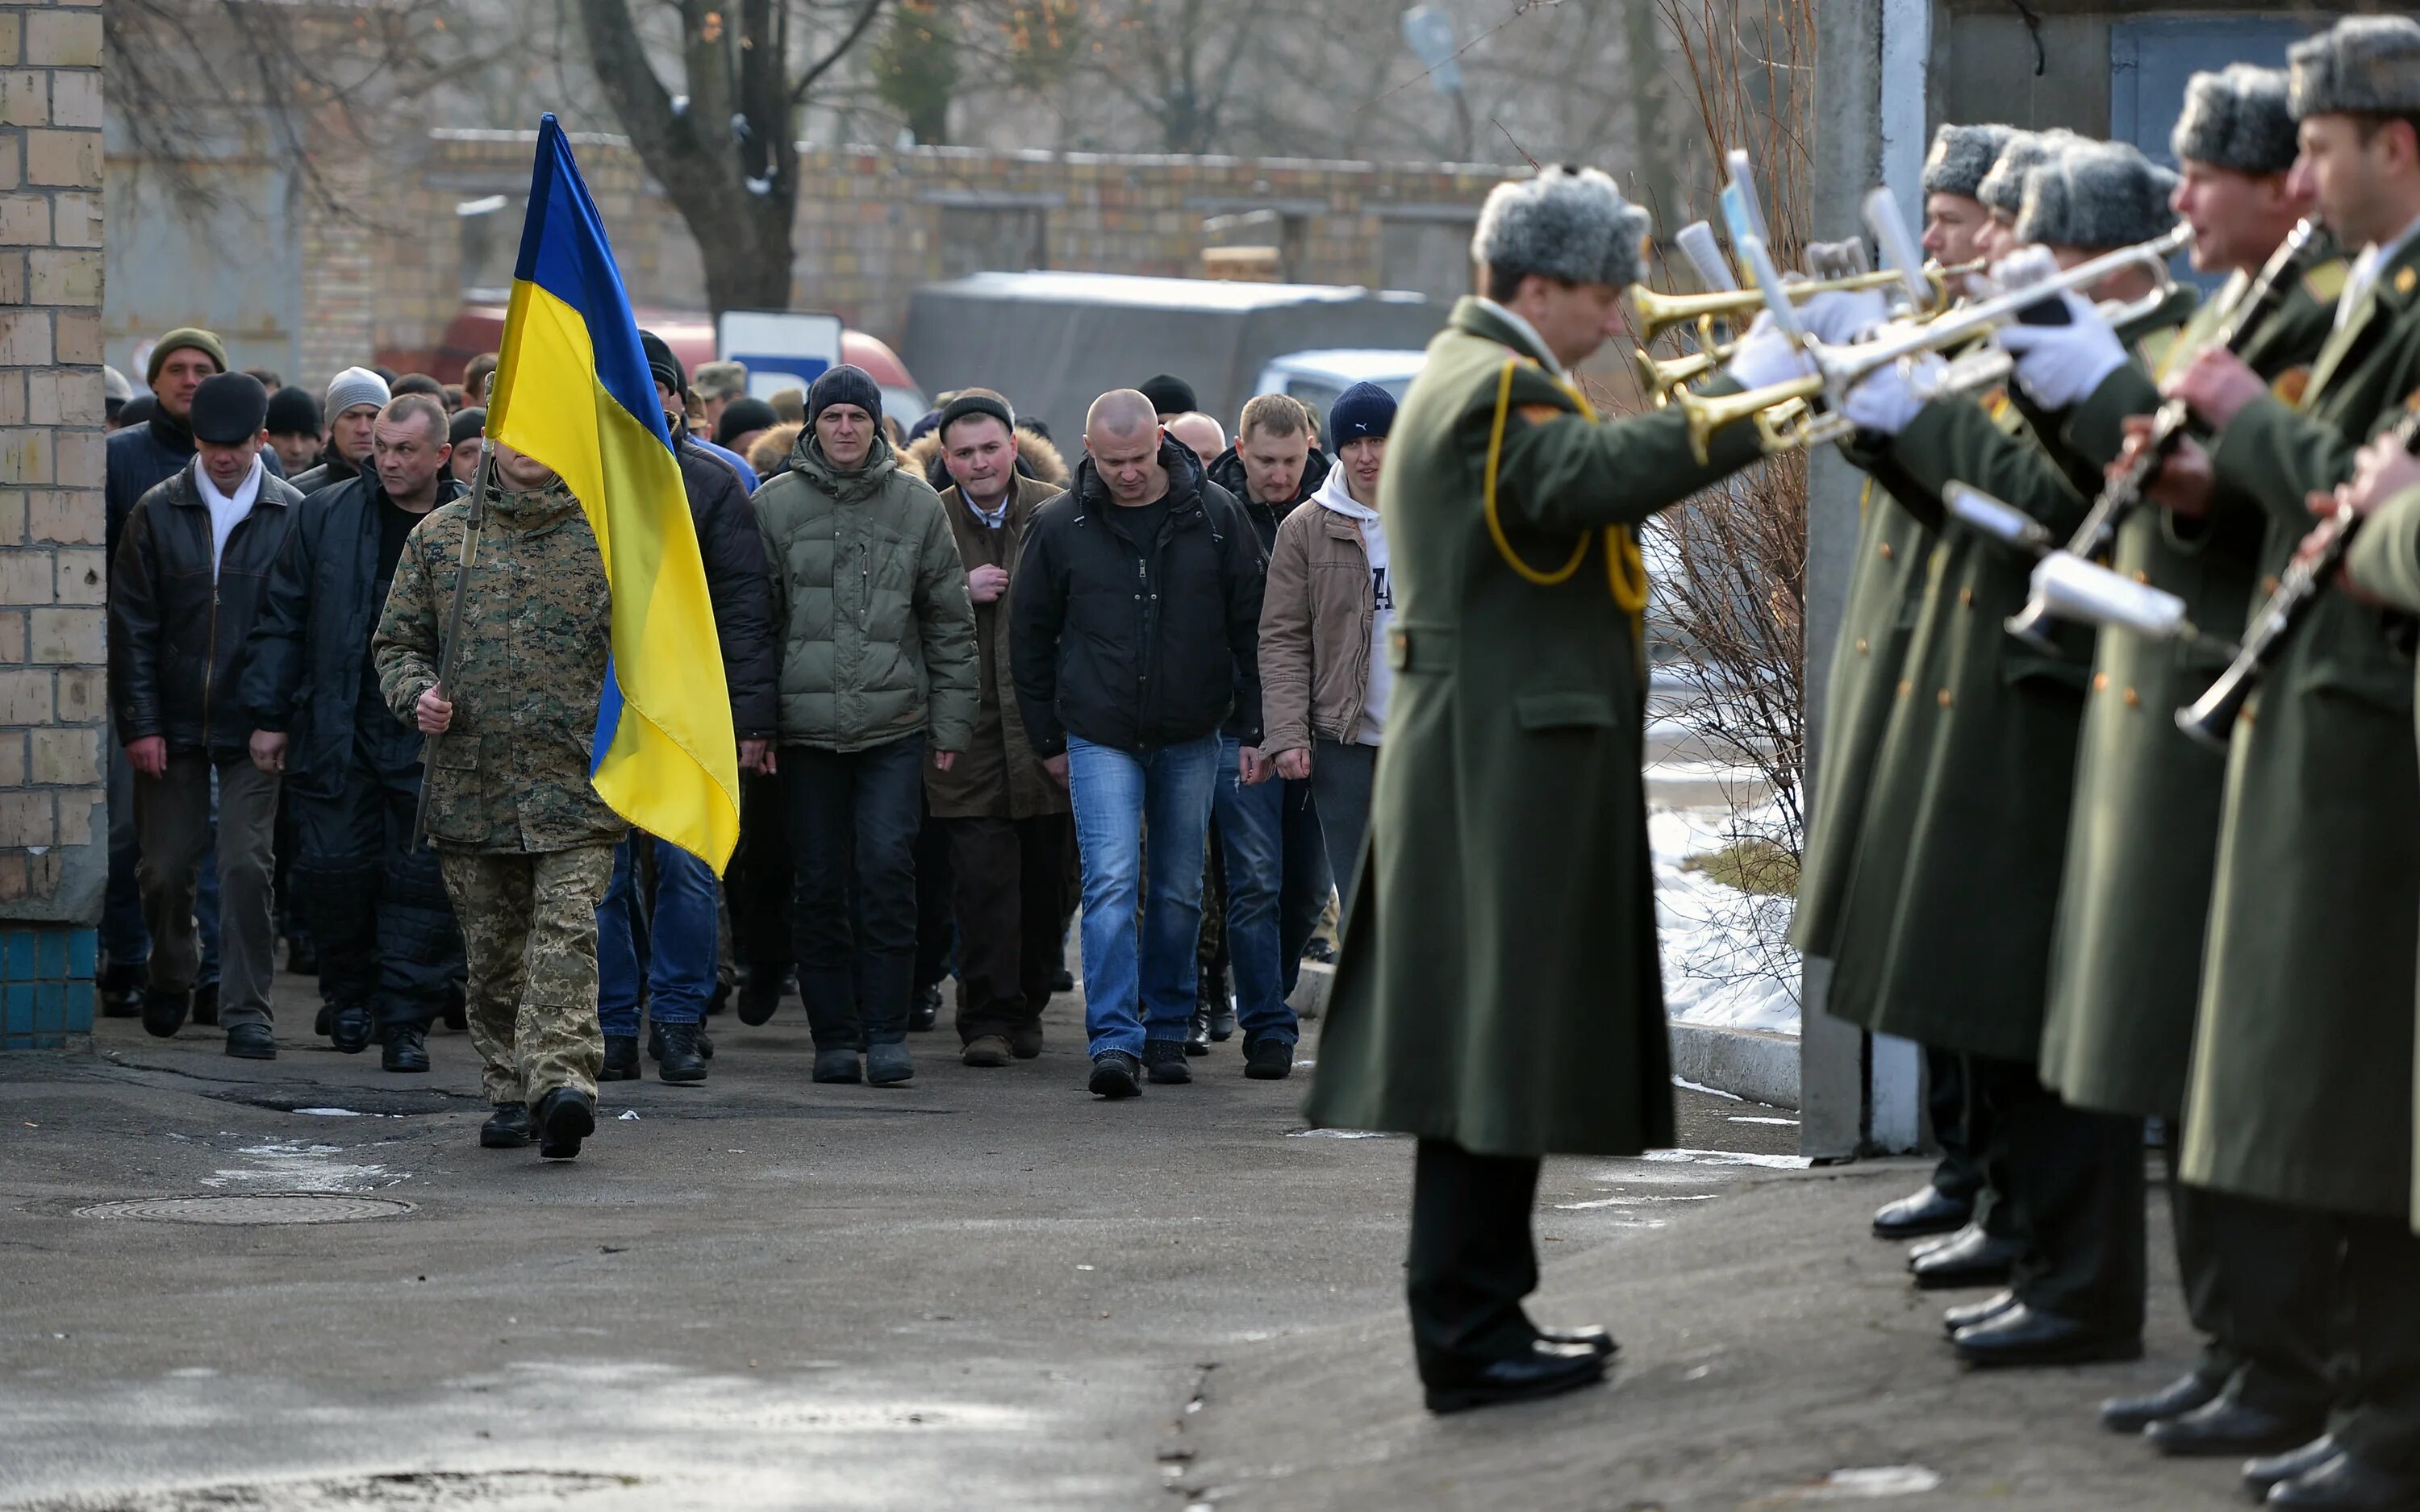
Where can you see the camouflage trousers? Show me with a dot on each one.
(529, 932)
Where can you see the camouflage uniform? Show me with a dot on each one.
(526, 843)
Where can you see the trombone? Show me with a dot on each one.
(1840, 369)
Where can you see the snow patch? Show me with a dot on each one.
(1727, 960)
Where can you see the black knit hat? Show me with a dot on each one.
(294, 412)
(1363, 409)
(967, 405)
(1169, 395)
(229, 407)
(844, 384)
(741, 416)
(466, 423)
(661, 364)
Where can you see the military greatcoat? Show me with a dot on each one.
(1499, 985)
(2301, 1090)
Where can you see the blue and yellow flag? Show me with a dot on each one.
(572, 390)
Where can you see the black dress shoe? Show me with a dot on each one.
(2022, 1336)
(2133, 1414)
(251, 1042)
(507, 1127)
(1588, 1338)
(2231, 1426)
(564, 1116)
(406, 1049)
(1938, 1242)
(1919, 1214)
(2260, 1474)
(680, 1062)
(206, 1005)
(163, 1013)
(621, 1059)
(1980, 1261)
(349, 1028)
(1197, 1035)
(2345, 1484)
(1545, 1370)
(925, 1011)
(1977, 1312)
(759, 996)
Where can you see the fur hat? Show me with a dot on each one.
(2364, 66)
(1567, 223)
(1960, 156)
(2097, 196)
(2004, 188)
(2237, 118)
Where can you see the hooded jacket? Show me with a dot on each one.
(1137, 644)
(877, 636)
(1227, 471)
(1316, 623)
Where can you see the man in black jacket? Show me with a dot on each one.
(682, 935)
(389, 953)
(356, 398)
(1135, 636)
(191, 565)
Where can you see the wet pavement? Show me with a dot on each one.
(983, 1290)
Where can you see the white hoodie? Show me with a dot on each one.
(1332, 495)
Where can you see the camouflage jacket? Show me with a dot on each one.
(512, 773)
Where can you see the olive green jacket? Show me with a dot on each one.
(2141, 841)
(1499, 984)
(538, 620)
(2301, 1088)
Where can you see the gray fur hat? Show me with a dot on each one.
(1960, 156)
(2097, 196)
(2237, 118)
(2362, 66)
(1570, 224)
(2004, 188)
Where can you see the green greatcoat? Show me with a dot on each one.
(1945, 931)
(1499, 985)
(2301, 1089)
(2387, 560)
(2142, 843)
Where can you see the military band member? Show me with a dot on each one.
(2301, 1090)
(1977, 764)
(1497, 1007)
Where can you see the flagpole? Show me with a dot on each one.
(449, 655)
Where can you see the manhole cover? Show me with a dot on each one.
(252, 1208)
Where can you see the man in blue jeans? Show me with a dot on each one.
(1134, 638)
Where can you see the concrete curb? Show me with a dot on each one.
(1310, 985)
(1756, 1064)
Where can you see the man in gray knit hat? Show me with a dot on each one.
(355, 397)
(1498, 1010)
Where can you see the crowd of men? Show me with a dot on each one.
(954, 667)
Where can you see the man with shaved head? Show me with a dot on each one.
(1201, 432)
(1134, 640)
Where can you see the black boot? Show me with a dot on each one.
(926, 1010)
(251, 1042)
(759, 996)
(507, 1127)
(349, 1028)
(678, 1059)
(565, 1117)
(1197, 1038)
(621, 1059)
(1164, 1060)
(406, 1049)
(163, 1013)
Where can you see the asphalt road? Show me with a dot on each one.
(984, 1290)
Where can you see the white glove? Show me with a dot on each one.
(1765, 356)
(1836, 320)
(2059, 366)
(1891, 399)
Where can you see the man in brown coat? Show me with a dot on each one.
(1006, 817)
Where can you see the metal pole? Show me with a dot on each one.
(449, 655)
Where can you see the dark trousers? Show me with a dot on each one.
(1009, 890)
(2073, 1183)
(1304, 884)
(1958, 1125)
(1341, 778)
(853, 817)
(376, 903)
(2263, 1278)
(935, 924)
(172, 815)
(1472, 1257)
(2381, 1424)
(758, 883)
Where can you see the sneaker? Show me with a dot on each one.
(1116, 1075)
(163, 1013)
(680, 1060)
(759, 996)
(564, 1116)
(888, 1065)
(406, 1049)
(1268, 1058)
(507, 1127)
(987, 1050)
(838, 1064)
(1164, 1060)
(206, 1005)
(1025, 1042)
(621, 1059)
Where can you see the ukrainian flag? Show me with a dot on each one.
(572, 390)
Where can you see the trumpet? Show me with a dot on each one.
(1660, 312)
(1661, 379)
(1840, 369)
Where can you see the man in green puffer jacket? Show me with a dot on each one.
(878, 664)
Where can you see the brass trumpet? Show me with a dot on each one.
(1660, 381)
(1659, 313)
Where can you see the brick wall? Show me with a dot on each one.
(53, 828)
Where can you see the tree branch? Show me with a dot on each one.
(865, 14)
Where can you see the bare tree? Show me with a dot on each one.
(724, 145)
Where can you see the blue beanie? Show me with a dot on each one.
(1363, 409)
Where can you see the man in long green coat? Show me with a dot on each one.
(2300, 1091)
(2143, 839)
(1499, 993)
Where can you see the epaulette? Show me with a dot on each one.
(2325, 283)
